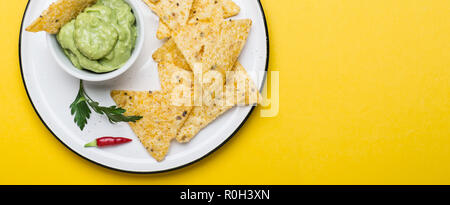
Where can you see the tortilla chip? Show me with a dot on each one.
(201, 116)
(192, 40)
(174, 13)
(58, 14)
(161, 118)
(169, 53)
(224, 54)
(215, 45)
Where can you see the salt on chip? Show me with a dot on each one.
(201, 116)
(216, 45)
(161, 118)
(192, 40)
(223, 55)
(58, 14)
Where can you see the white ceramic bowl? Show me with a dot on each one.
(67, 66)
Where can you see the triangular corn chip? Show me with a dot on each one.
(216, 46)
(223, 55)
(192, 40)
(161, 118)
(58, 14)
(173, 13)
(160, 121)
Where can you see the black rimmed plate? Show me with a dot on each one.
(51, 91)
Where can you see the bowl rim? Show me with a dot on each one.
(99, 77)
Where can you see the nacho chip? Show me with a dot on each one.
(58, 14)
(201, 116)
(174, 13)
(216, 45)
(160, 121)
(161, 118)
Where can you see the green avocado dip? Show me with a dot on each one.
(101, 38)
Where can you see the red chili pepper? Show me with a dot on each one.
(107, 141)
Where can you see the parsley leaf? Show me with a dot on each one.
(80, 108)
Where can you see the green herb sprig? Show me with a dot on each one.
(80, 109)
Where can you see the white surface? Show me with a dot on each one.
(66, 65)
(52, 90)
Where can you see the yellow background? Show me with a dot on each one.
(364, 99)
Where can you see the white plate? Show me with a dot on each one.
(51, 91)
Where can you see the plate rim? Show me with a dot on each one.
(145, 172)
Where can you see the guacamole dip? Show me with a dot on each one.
(101, 38)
